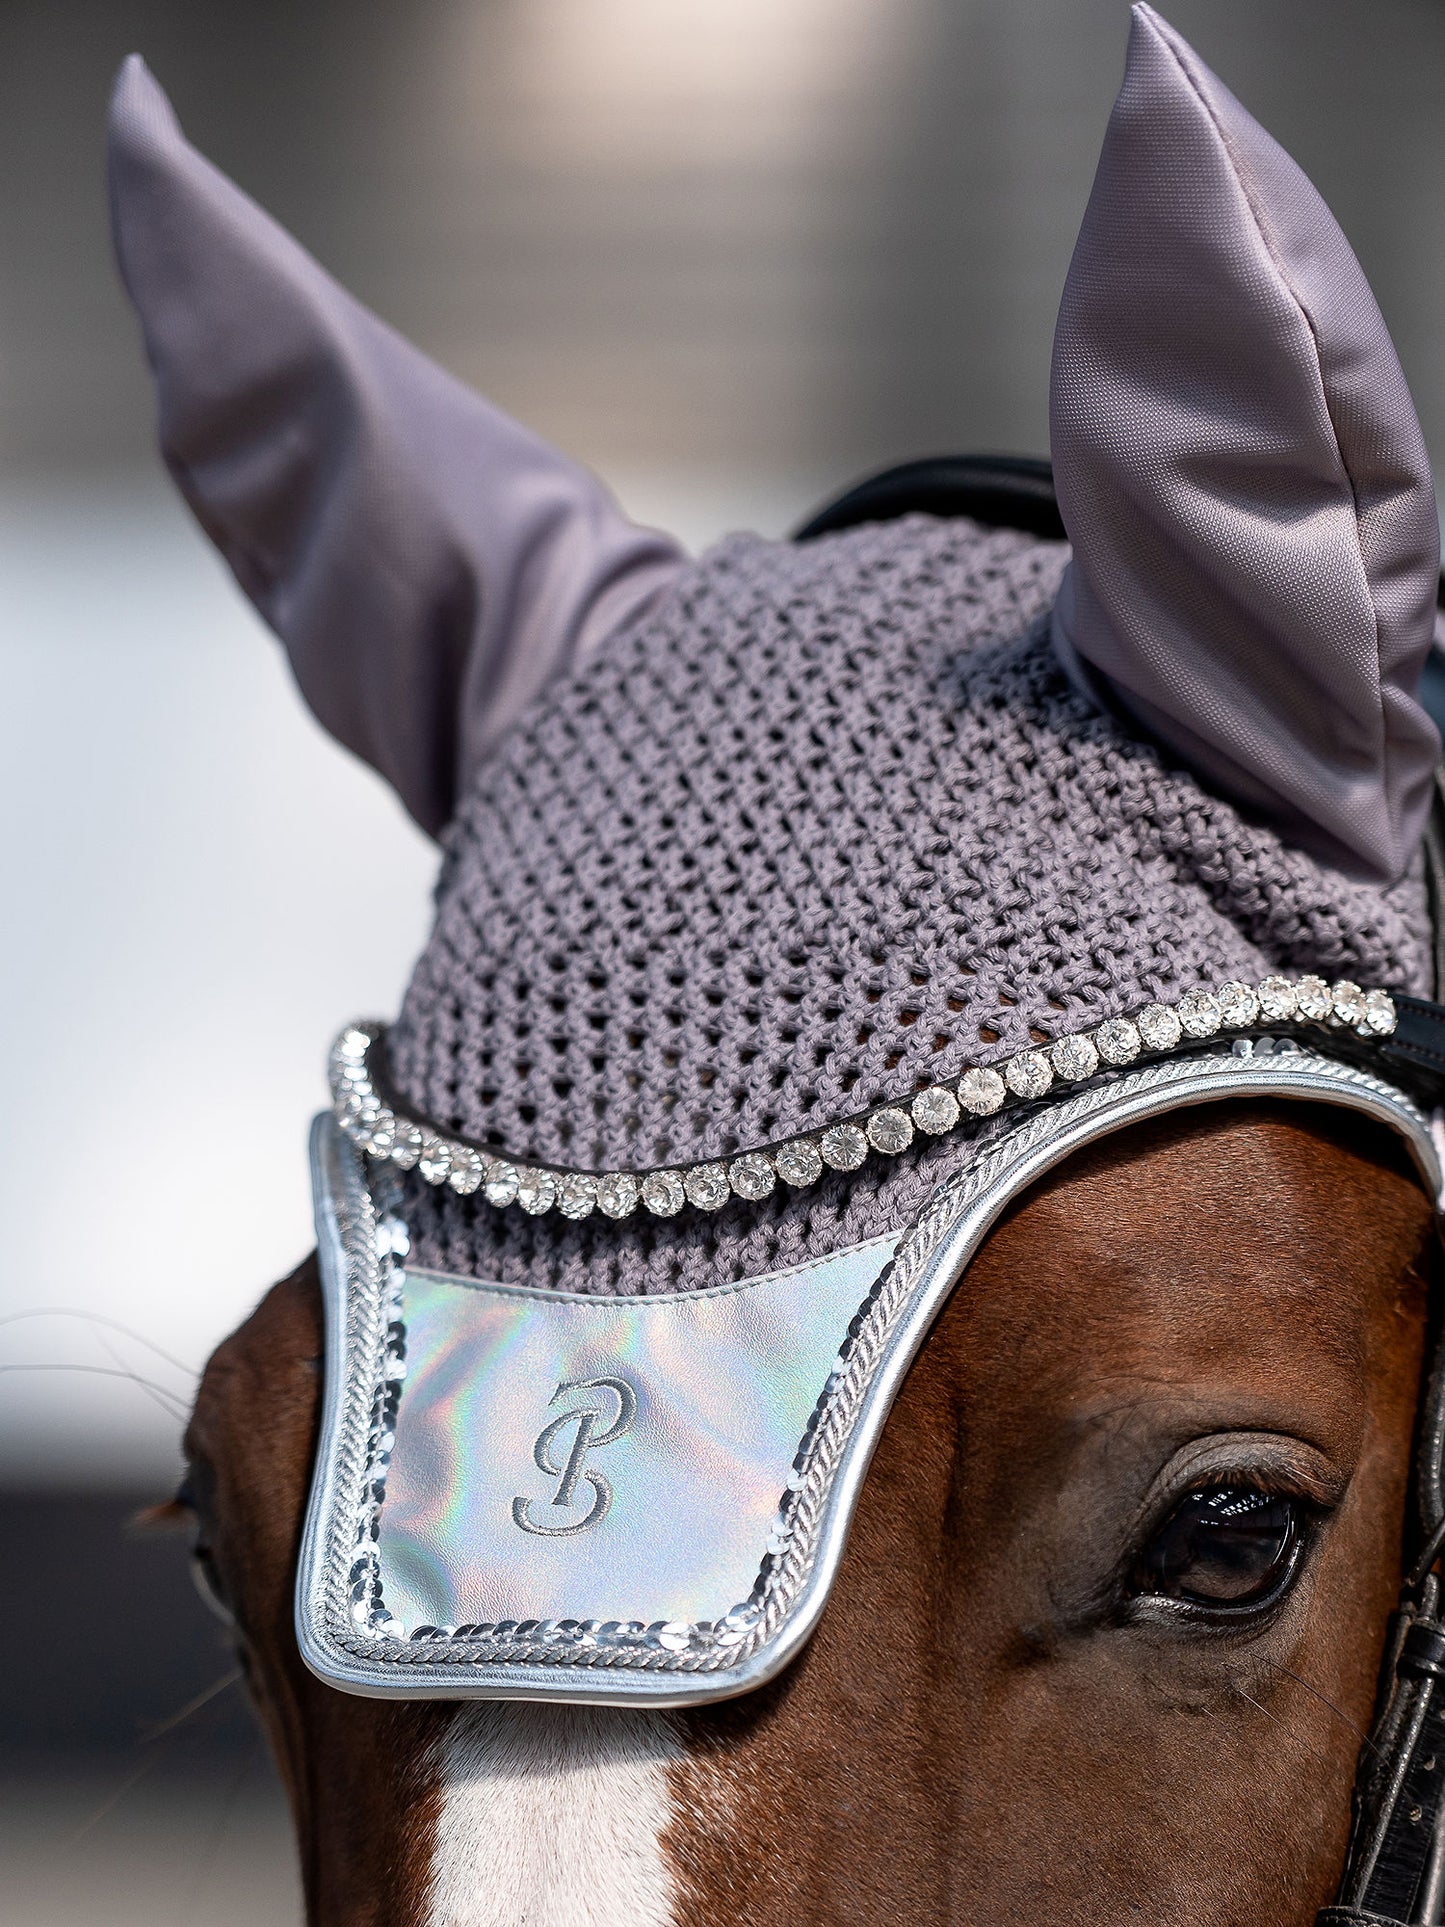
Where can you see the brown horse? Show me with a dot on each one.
(1235, 1295)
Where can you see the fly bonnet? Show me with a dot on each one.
(799, 904)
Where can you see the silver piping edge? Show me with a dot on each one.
(388, 1136)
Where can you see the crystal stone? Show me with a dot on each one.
(981, 1092)
(1349, 1002)
(751, 1176)
(617, 1194)
(935, 1111)
(577, 1195)
(465, 1175)
(1312, 994)
(844, 1147)
(1029, 1074)
(1117, 1041)
(890, 1130)
(1379, 1013)
(1277, 1000)
(1199, 1013)
(435, 1162)
(1159, 1027)
(536, 1191)
(663, 1194)
(499, 1187)
(707, 1186)
(799, 1163)
(407, 1148)
(1074, 1058)
(1238, 1005)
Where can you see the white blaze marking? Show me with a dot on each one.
(552, 1817)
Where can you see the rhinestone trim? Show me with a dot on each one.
(388, 1137)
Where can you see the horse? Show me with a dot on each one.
(1239, 1292)
(1105, 1638)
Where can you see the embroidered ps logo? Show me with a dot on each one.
(572, 1470)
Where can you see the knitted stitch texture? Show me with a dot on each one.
(827, 825)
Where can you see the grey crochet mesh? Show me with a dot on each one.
(826, 826)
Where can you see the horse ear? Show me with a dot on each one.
(428, 564)
(1242, 475)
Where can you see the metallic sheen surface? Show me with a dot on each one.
(724, 1383)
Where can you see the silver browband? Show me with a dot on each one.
(523, 1494)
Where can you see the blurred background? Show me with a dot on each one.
(732, 253)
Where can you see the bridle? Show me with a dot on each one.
(1395, 1867)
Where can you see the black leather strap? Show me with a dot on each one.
(1419, 1036)
(1418, 1043)
(1394, 1872)
(1394, 1891)
(1001, 491)
(1351, 1917)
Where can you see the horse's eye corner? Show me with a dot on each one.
(1226, 1552)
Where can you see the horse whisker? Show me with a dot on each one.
(113, 1800)
(192, 1706)
(218, 1829)
(98, 1318)
(1284, 1726)
(113, 1353)
(166, 1731)
(170, 1403)
(1339, 1712)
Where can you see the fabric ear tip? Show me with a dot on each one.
(140, 111)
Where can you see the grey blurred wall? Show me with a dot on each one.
(790, 237)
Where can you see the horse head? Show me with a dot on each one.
(926, 1019)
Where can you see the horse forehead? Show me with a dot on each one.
(1269, 1175)
(1142, 1252)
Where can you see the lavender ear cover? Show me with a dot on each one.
(429, 565)
(1242, 475)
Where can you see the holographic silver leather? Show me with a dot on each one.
(524, 1494)
(702, 1399)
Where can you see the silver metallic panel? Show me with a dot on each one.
(601, 1458)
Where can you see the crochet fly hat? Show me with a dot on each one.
(778, 884)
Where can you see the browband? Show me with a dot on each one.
(1406, 1033)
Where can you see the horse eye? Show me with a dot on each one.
(1223, 1546)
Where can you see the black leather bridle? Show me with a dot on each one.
(1395, 1865)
